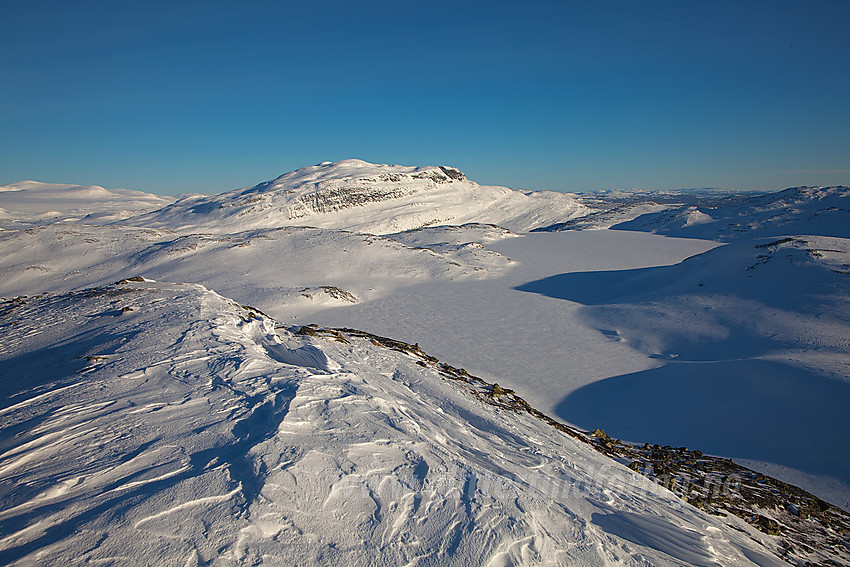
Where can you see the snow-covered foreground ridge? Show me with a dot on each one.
(360, 196)
(152, 423)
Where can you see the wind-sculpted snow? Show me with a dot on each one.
(365, 197)
(130, 409)
(149, 423)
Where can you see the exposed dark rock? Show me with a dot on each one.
(453, 173)
(767, 525)
(309, 330)
(136, 279)
(329, 290)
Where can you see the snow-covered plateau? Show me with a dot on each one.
(151, 417)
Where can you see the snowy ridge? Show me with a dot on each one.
(231, 440)
(360, 196)
(606, 216)
(715, 216)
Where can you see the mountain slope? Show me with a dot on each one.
(164, 424)
(364, 197)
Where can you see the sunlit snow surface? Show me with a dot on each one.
(150, 423)
(741, 351)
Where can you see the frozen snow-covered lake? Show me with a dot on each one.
(540, 346)
(623, 367)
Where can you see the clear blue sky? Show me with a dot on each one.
(207, 96)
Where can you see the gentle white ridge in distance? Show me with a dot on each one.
(32, 202)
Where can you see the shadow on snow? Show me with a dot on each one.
(753, 409)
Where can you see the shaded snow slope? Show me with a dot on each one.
(148, 423)
(606, 215)
(364, 197)
(28, 203)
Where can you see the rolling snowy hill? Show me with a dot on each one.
(291, 270)
(364, 197)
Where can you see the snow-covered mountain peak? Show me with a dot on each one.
(377, 198)
(359, 169)
(351, 174)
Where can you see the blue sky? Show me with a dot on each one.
(176, 96)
